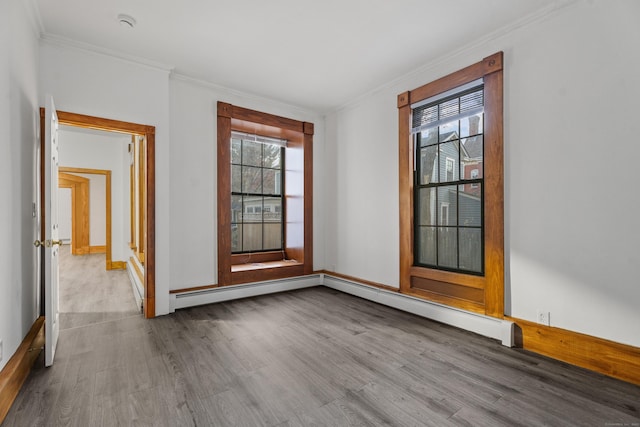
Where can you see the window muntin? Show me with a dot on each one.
(448, 182)
(257, 223)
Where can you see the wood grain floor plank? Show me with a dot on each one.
(313, 357)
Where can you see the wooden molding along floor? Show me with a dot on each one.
(17, 369)
(606, 357)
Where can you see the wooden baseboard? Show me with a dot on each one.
(17, 369)
(195, 288)
(606, 357)
(116, 265)
(355, 279)
(97, 249)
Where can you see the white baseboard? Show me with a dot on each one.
(136, 286)
(499, 329)
(227, 293)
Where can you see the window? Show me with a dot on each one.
(448, 127)
(451, 189)
(264, 196)
(256, 164)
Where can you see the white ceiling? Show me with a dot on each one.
(316, 54)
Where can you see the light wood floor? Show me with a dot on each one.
(91, 294)
(313, 357)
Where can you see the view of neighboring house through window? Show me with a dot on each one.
(256, 193)
(448, 132)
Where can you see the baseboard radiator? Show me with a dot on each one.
(498, 329)
(136, 286)
(228, 293)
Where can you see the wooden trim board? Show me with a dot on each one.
(17, 369)
(596, 354)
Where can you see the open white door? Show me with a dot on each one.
(51, 242)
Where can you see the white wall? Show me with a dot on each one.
(101, 150)
(19, 117)
(193, 255)
(103, 86)
(571, 153)
(98, 85)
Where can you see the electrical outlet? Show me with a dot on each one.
(543, 317)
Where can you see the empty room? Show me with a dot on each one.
(319, 213)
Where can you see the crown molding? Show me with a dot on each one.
(246, 95)
(64, 42)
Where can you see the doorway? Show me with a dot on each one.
(146, 180)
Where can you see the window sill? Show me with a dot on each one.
(264, 265)
(261, 271)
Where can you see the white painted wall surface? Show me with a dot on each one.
(193, 253)
(101, 150)
(102, 86)
(19, 118)
(571, 204)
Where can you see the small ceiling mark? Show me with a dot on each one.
(127, 21)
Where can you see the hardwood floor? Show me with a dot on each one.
(313, 357)
(91, 294)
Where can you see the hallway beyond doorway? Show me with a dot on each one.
(90, 294)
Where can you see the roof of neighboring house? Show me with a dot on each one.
(473, 146)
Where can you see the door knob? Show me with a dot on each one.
(47, 243)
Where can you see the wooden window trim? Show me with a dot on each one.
(482, 294)
(298, 223)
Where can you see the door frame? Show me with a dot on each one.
(149, 132)
(110, 264)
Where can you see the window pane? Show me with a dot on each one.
(272, 156)
(236, 208)
(472, 151)
(429, 165)
(272, 209)
(449, 108)
(472, 100)
(271, 181)
(236, 237)
(236, 178)
(449, 162)
(272, 235)
(236, 146)
(252, 209)
(251, 180)
(448, 247)
(471, 249)
(447, 205)
(252, 237)
(427, 245)
(472, 125)
(470, 205)
(449, 131)
(429, 137)
(427, 203)
(251, 153)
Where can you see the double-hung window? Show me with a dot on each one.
(451, 189)
(264, 196)
(256, 193)
(448, 140)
